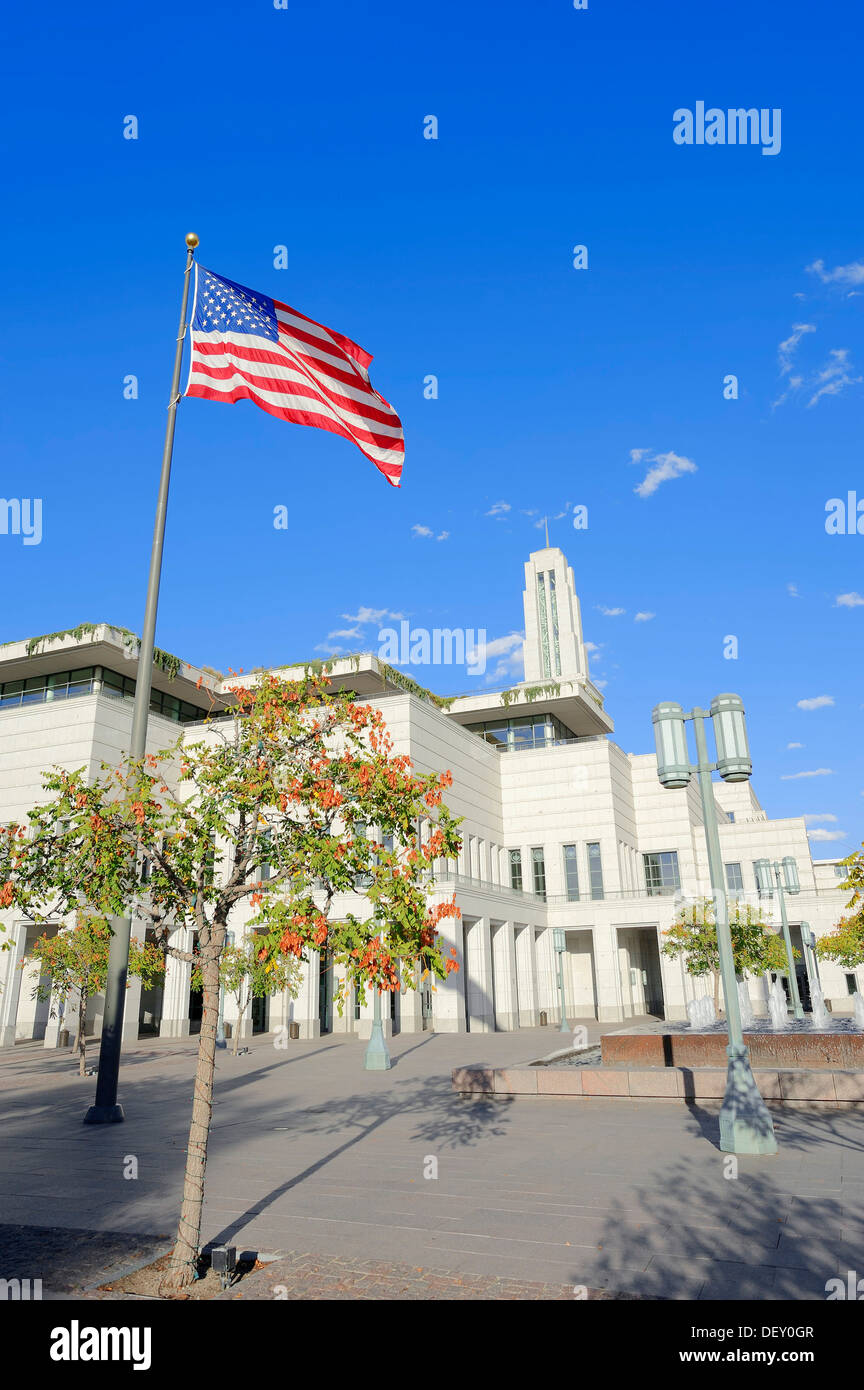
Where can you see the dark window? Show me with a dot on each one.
(595, 871)
(661, 873)
(734, 878)
(571, 873)
(516, 868)
(538, 867)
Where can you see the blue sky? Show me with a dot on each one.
(303, 127)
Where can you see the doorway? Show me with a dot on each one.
(641, 979)
(325, 992)
(260, 1014)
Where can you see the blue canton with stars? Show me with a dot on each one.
(223, 307)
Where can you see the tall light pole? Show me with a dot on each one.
(783, 874)
(376, 1057)
(745, 1122)
(559, 942)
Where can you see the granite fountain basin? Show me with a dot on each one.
(797, 1045)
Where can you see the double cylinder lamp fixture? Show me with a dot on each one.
(730, 734)
(673, 760)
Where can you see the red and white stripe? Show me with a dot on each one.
(312, 376)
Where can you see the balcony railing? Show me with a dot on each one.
(485, 885)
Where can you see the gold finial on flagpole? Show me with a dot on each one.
(191, 240)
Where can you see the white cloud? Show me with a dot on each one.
(644, 617)
(817, 772)
(833, 377)
(794, 745)
(423, 531)
(851, 274)
(371, 615)
(510, 651)
(611, 612)
(823, 835)
(817, 702)
(826, 815)
(445, 536)
(499, 510)
(346, 632)
(592, 646)
(792, 590)
(663, 468)
(787, 349)
(852, 600)
(601, 685)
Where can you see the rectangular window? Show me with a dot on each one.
(731, 815)
(734, 878)
(361, 880)
(851, 984)
(516, 869)
(661, 873)
(595, 871)
(538, 867)
(265, 868)
(571, 873)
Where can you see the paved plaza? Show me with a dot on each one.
(311, 1156)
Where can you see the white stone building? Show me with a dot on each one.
(562, 829)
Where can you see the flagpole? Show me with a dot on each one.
(106, 1109)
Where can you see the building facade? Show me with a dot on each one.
(561, 830)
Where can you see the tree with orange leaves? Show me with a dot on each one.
(286, 780)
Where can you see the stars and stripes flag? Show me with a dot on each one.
(246, 346)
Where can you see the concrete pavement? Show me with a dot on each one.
(311, 1154)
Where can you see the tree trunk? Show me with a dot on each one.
(82, 1023)
(241, 1010)
(181, 1270)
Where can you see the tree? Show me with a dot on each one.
(756, 949)
(244, 976)
(76, 958)
(845, 944)
(287, 779)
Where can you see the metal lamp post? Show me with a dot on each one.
(783, 876)
(376, 1057)
(559, 943)
(745, 1122)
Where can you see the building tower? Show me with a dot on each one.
(554, 649)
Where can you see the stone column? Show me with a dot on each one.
(175, 999)
(504, 977)
(12, 986)
(304, 1009)
(526, 977)
(609, 1008)
(479, 983)
(449, 995)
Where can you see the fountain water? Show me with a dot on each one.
(701, 1012)
(820, 1019)
(858, 1005)
(777, 1007)
(744, 1004)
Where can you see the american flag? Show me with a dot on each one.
(246, 346)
